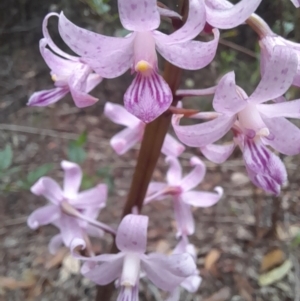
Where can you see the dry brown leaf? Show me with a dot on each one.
(70, 266)
(244, 287)
(272, 259)
(10, 283)
(211, 258)
(222, 295)
(57, 259)
(287, 233)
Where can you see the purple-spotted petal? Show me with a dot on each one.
(202, 199)
(174, 172)
(184, 217)
(192, 27)
(47, 97)
(118, 114)
(218, 153)
(55, 244)
(171, 147)
(139, 15)
(205, 133)
(194, 177)
(290, 109)
(126, 139)
(262, 162)
(285, 135)
(94, 197)
(104, 273)
(278, 75)
(191, 55)
(148, 97)
(230, 17)
(72, 178)
(226, 99)
(43, 216)
(132, 233)
(48, 188)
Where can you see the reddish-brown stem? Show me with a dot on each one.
(184, 112)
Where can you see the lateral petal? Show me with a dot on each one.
(205, 133)
(230, 17)
(148, 97)
(171, 147)
(218, 153)
(55, 244)
(174, 172)
(191, 55)
(285, 135)
(139, 15)
(72, 178)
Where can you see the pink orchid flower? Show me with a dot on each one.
(296, 3)
(166, 272)
(180, 189)
(134, 131)
(224, 15)
(254, 124)
(191, 283)
(73, 212)
(148, 95)
(69, 74)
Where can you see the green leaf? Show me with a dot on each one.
(82, 139)
(99, 6)
(105, 174)
(39, 172)
(76, 153)
(6, 156)
(87, 182)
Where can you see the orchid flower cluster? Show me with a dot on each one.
(257, 122)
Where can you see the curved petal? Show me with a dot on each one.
(226, 99)
(202, 199)
(174, 172)
(70, 231)
(205, 133)
(48, 188)
(137, 15)
(108, 56)
(72, 178)
(156, 192)
(184, 218)
(55, 244)
(285, 135)
(94, 197)
(289, 109)
(43, 216)
(92, 81)
(233, 16)
(104, 273)
(218, 153)
(192, 283)
(118, 114)
(126, 139)
(278, 75)
(192, 27)
(148, 97)
(194, 177)
(166, 12)
(57, 64)
(171, 147)
(167, 272)
(132, 233)
(191, 55)
(47, 97)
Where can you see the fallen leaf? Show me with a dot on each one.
(287, 233)
(244, 287)
(70, 266)
(28, 281)
(57, 259)
(211, 258)
(276, 274)
(221, 295)
(272, 259)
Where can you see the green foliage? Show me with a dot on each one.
(6, 156)
(100, 7)
(76, 152)
(296, 241)
(105, 174)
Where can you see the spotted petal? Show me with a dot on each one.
(139, 15)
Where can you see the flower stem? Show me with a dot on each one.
(259, 25)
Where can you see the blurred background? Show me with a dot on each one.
(245, 236)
